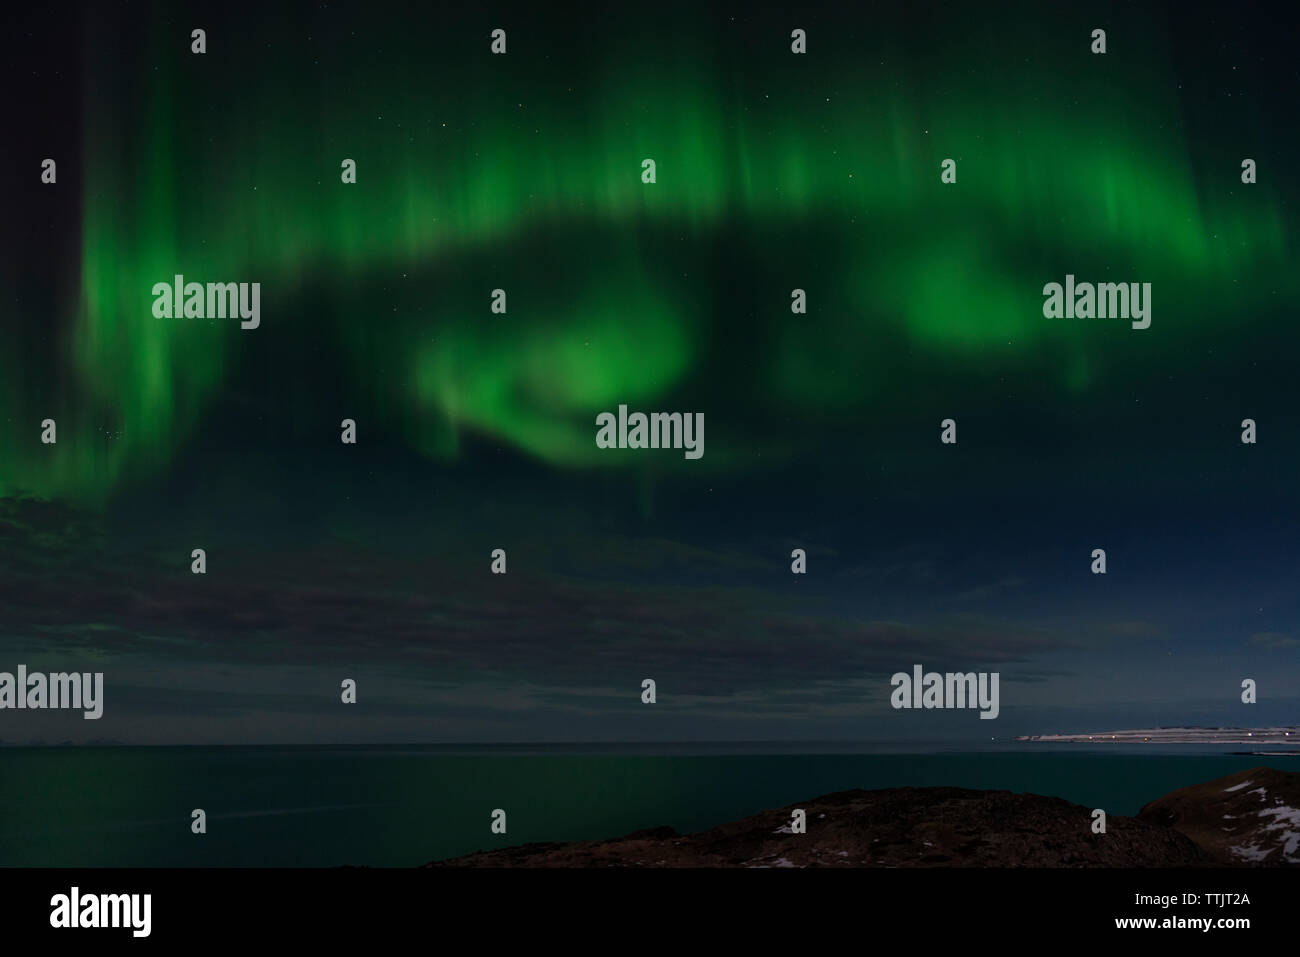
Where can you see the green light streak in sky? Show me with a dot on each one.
(247, 189)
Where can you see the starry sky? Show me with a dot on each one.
(476, 431)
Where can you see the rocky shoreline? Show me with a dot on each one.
(1248, 819)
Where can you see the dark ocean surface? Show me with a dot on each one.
(402, 806)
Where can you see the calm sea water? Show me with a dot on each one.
(403, 806)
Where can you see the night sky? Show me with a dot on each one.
(476, 430)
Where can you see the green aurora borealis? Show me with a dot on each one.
(523, 172)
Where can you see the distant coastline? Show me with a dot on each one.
(1289, 734)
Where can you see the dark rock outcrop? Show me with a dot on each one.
(897, 827)
(1250, 818)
